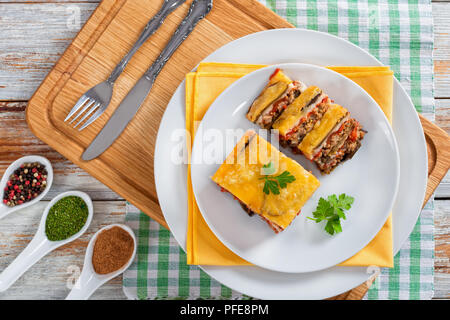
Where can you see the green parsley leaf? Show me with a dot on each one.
(274, 183)
(329, 227)
(269, 169)
(271, 186)
(332, 210)
(345, 202)
(323, 210)
(285, 178)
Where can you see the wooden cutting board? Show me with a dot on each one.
(127, 166)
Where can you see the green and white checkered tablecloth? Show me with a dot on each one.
(400, 34)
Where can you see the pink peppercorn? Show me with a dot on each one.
(24, 184)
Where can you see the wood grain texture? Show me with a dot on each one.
(126, 166)
(54, 272)
(441, 17)
(118, 166)
(33, 38)
(438, 144)
(442, 247)
(19, 81)
(17, 140)
(36, 33)
(443, 121)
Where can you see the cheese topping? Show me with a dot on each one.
(279, 76)
(293, 113)
(269, 94)
(241, 175)
(295, 85)
(267, 97)
(322, 128)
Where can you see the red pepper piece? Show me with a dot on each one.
(275, 73)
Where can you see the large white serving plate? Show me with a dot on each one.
(305, 46)
(304, 246)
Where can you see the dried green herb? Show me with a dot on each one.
(65, 218)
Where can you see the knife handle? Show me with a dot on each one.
(198, 10)
(150, 29)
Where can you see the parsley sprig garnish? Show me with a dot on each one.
(332, 210)
(274, 183)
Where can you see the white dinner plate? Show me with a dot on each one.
(305, 46)
(304, 246)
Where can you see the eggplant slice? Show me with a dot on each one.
(340, 146)
(271, 113)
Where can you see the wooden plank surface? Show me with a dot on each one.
(34, 35)
(127, 165)
(50, 277)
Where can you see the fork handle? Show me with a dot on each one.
(150, 28)
(198, 10)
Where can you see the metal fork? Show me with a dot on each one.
(95, 101)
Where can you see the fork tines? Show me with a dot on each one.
(86, 107)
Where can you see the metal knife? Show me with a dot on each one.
(132, 102)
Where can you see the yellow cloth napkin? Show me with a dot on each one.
(202, 88)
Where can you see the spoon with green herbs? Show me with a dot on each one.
(65, 219)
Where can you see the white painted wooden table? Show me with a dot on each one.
(33, 35)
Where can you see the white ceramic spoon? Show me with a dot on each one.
(89, 280)
(4, 209)
(40, 245)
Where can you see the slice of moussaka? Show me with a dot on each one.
(335, 139)
(265, 181)
(301, 115)
(340, 146)
(274, 99)
(307, 121)
(330, 122)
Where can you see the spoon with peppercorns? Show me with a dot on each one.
(25, 182)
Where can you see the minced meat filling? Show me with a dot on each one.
(307, 125)
(336, 140)
(266, 120)
(343, 154)
(336, 151)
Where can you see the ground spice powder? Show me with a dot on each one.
(112, 250)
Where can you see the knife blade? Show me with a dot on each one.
(128, 108)
(119, 120)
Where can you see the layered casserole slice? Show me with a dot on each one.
(301, 115)
(276, 96)
(335, 139)
(253, 174)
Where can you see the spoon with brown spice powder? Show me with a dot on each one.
(109, 253)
